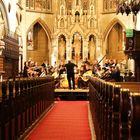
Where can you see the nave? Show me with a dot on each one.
(39, 34)
(67, 120)
(114, 108)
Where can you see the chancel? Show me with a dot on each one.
(94, 97)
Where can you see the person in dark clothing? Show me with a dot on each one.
(70, 73)
(25, 70)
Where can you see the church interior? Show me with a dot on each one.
(100, 38)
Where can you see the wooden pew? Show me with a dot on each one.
(125, 106)
(135, 116)
(112, 106)
(22, 102)
(132, 86)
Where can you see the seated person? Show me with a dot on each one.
(113, 74)
(82, 81)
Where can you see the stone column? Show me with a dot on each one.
(68, 49)
(85, 48)
(99, 55)
(20, 67)
(54, 55)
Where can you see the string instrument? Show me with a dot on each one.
(86, 75)
(64, 81)
(101, 59)
(55, 75)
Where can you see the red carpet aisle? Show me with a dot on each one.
(68, 120)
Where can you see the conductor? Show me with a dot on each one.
(70, 73)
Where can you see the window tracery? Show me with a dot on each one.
(39, 5)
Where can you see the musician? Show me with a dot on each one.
(37, 68)
(70, 73)
(84, 74)
(86, 61)
(113, 74)
(25, 70)
(46, 65)
(43, 72)
(61, 68)
(56, 78)
(106, 64)
(95, 67)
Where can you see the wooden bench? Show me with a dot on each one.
(22, 102)
(132, 86)
(112, 107)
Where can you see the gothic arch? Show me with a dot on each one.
(64, 34)
(110, 26)
(62, 47)
(33, 51)
(61, 35)
(77, 46)
(44, 26)
(113, 40)
(4, 13)
(94, 34)
(78, 31)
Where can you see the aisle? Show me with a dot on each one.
(68, 120)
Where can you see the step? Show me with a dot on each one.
(67, 94)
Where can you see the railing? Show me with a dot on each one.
(114, 108)
(23, 101)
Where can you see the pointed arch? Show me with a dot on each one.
(91, 47)
(77, 32)
(64, 34)
(94, 34)
(110, 26)
(44, 26)
(40, 48)
(77, 46)
(61, 47)
(113, 40)
(4, 13)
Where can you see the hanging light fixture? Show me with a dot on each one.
(128, 6)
